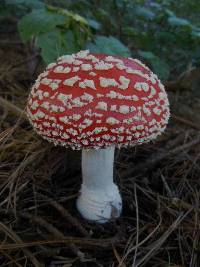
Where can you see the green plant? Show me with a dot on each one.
(57, 31)
(163, 33)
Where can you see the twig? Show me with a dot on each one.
(82, 242)
(137, 226)
(62, 199)
(154, 231)
(11, 260)
(13, 108)
(51, 229)
(68, 217)
(18, 241)
(171, 195)
(150, 163)
(28, 59)
(187, 122)
(17, 64)
(120, 263)
(6, 133)
(157, 244)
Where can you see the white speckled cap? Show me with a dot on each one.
(89, 100)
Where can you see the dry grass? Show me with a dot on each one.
(160, 185)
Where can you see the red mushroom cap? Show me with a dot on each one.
(89, 100)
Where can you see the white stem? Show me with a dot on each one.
(99, 198)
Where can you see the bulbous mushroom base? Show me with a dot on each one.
(99, 205)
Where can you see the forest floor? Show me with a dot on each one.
(39, 183)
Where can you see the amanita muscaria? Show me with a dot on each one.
(97, 102)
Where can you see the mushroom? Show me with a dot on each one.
(95, 103)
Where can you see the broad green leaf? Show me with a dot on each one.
(28, 3)
(56, 43)
(170, 13)
(119, 3)
(69, 42)
(50, 44)
(175, 21)
(130, 31)
(101, 13)
(144, 12)
(161, 68)
(66, 13)
(156, 6)
(78, 18)
(147, 55)
(108, 45)
(196, 33)
(39, 21)
(94, 24)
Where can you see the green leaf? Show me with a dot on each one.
(144, 12)
(160, 67)
(108, 45)
(56, 43)
(50, 44)
(169, 12)
(175, 21)
(156, 6)
(39, 21)
(28, 3)
(69, 42)
(119, 3)
(130, 31)
(94, 24)
(101, 13)
(147, 55)
(196, 33)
